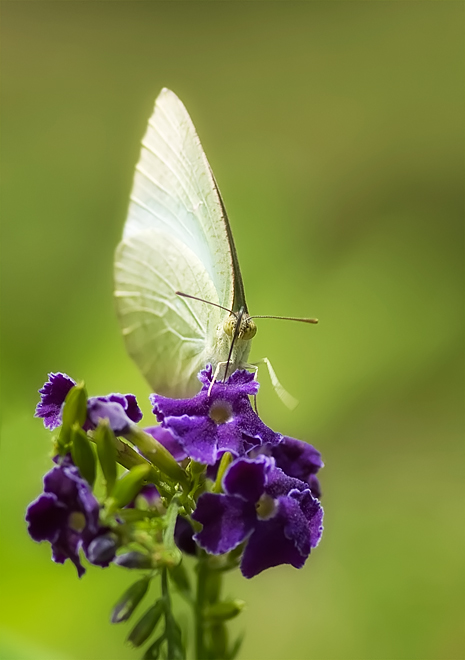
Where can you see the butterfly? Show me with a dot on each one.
(178, 287)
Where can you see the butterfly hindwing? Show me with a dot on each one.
(169, 337)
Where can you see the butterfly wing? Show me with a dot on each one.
(169, 337)
(176, 238)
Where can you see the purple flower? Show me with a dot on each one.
(167, 439)
(120, 409)
(276, 514)
(52, 398)
(184, 536)
(66, 514)
(298, 459)
(210, 424)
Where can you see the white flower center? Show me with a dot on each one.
(221, 412)
(266, 507)
(77, 521)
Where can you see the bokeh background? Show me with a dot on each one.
(335, 131)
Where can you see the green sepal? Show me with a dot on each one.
(226, 459)
(83, 454)
(235, 648)
(75, 408)
(74, 411)
(146, 624)
(179, 577)
(157, 454)
(219, 640)
(174, 638)
(153, 652)
(106, 451)
(128, 487)
(129, 600)
(224, 611)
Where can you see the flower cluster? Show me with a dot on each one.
(242, 487)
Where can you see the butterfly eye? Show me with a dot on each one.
(229, 325)
(248, 330)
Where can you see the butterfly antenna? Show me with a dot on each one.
(234, 337)
(209, 302)
(285, 318)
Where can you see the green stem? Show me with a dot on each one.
(199, 606)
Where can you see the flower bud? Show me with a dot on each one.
(129, 601)
(228, 609)
(157, 454)
(126, 488)
(134, 559)
(147, 624)
(83, 454)
(106, 451)
(102, 549)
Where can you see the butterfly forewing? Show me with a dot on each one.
(174, 191)
(176, 238)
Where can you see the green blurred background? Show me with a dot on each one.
(335, 131)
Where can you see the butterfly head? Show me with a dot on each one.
(240, 326)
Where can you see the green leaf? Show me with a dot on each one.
(153, 652)
(147, 624)
(106, 451)
(129, 600)
(83, 454)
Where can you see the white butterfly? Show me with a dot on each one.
(177, 238)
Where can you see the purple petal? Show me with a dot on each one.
(184, 536)
(277, 540)
(314, 486)
(246, 477)
(279, 483)
(167, 439)
(197, 436)
(100, 408)
(62, 482)
(45, 517)
(313, 512)
(53, 395)
(226, 520)
(241, 382)
(128, 402)
(150, 494)
(297, 459)
(67, 547)
(133, 411)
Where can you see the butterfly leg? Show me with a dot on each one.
(253, 367)
(288, 400)
(215, 375)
